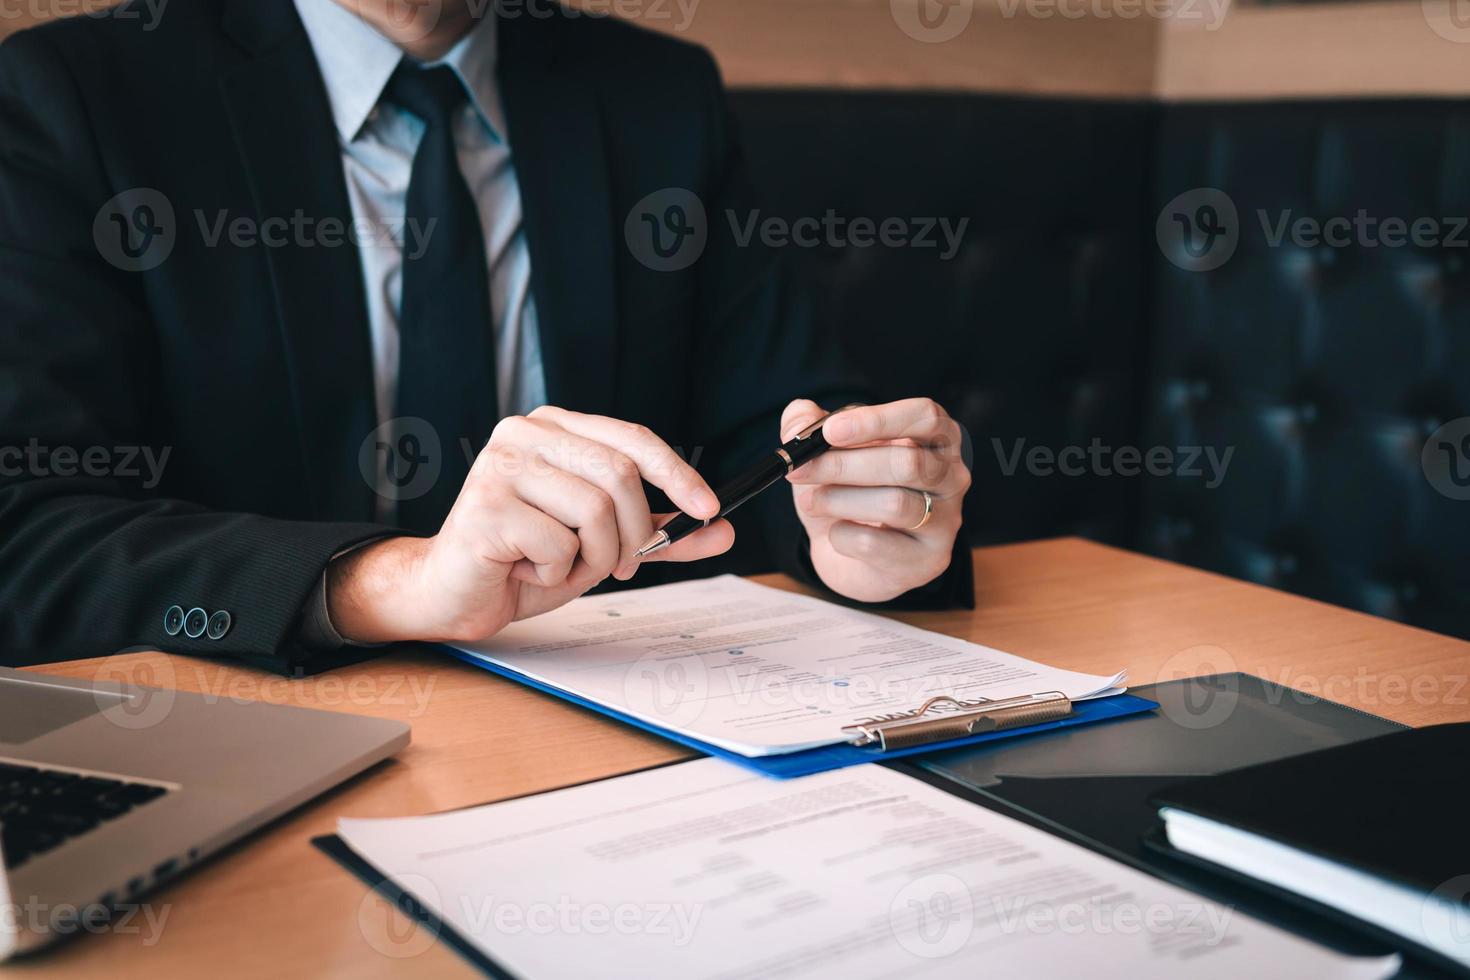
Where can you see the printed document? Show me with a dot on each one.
(756, 670)
(705, 870)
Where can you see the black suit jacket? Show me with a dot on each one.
(250, 366)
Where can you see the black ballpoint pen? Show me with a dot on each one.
(806, 444)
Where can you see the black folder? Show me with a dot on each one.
(1397, 806)
(1394, 807)
(1097, 791)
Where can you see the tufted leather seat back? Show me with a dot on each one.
(1327, 362)
(1062, 321)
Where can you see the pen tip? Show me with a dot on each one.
(659, 541)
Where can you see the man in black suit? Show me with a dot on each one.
(335, 322)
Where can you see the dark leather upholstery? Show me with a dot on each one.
(1060, 320)
(1327, 367)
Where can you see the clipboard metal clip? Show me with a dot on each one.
(943, 718)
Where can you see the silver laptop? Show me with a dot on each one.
(107, 791)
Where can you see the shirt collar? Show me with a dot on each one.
(356, 63)
(473, 59)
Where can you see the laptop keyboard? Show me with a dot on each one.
(42, 808)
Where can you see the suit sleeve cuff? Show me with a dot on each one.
(315, 631)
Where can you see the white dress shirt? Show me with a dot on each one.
(378, 144)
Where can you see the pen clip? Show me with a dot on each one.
(926, 725)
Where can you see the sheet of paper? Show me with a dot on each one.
(703, 870)
(757, 670)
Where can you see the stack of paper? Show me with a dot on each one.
(705, 870)
(758, 671)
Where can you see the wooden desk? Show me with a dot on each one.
(275, 906)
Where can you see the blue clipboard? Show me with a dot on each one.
(828, 757)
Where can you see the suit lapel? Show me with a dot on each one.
(560, 160)
(282, 121)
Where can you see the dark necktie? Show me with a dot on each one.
(446, 371)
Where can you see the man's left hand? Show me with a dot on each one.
(863, 502)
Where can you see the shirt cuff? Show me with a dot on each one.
(316, 630)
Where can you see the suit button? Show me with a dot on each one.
(219, 625)
(173, 620)
(195, 622)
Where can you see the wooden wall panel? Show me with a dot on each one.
(1199, 49)
(963, 45)
(1386, 47)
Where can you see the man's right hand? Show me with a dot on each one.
(552, 506)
